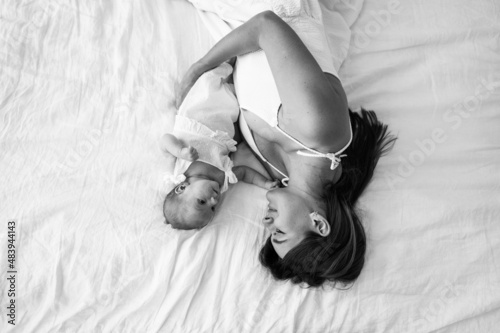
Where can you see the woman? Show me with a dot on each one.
(323, 154)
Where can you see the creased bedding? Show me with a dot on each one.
(86, 91)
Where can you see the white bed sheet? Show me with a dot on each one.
(87, 90)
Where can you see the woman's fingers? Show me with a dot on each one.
(183, 90)
(187, 82)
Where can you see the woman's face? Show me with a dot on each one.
(287, 218)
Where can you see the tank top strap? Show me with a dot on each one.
(334, 157)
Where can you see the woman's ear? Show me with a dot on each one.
(320, 224)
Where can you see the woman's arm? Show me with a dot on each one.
(304, 89)
(315, 107)
(241, 40)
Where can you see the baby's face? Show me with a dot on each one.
(195, 203)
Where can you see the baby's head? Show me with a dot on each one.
(191, 204)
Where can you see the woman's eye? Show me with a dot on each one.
(201, 201)
(279, 231)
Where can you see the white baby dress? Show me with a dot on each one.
(205, 122)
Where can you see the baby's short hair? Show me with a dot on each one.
(170, 208)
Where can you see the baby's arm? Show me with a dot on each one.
(250, 176)
(176, 148)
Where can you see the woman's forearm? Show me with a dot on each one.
(241, 40)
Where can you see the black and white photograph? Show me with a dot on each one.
(249, 166)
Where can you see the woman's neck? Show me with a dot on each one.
(310, 175)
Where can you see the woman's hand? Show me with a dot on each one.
(187, 82)
(241, 40)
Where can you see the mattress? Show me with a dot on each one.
(86, 91)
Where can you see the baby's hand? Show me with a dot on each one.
(189, 154)
(271, 184)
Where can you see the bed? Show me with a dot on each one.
(86, 91)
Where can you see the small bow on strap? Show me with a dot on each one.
(335, 160)
(331, 156)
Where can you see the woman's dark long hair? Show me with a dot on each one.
(340, 256)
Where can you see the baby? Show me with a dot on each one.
(200, 146)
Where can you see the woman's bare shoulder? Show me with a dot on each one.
(325, 125)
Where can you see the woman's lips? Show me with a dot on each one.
(269, 212)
